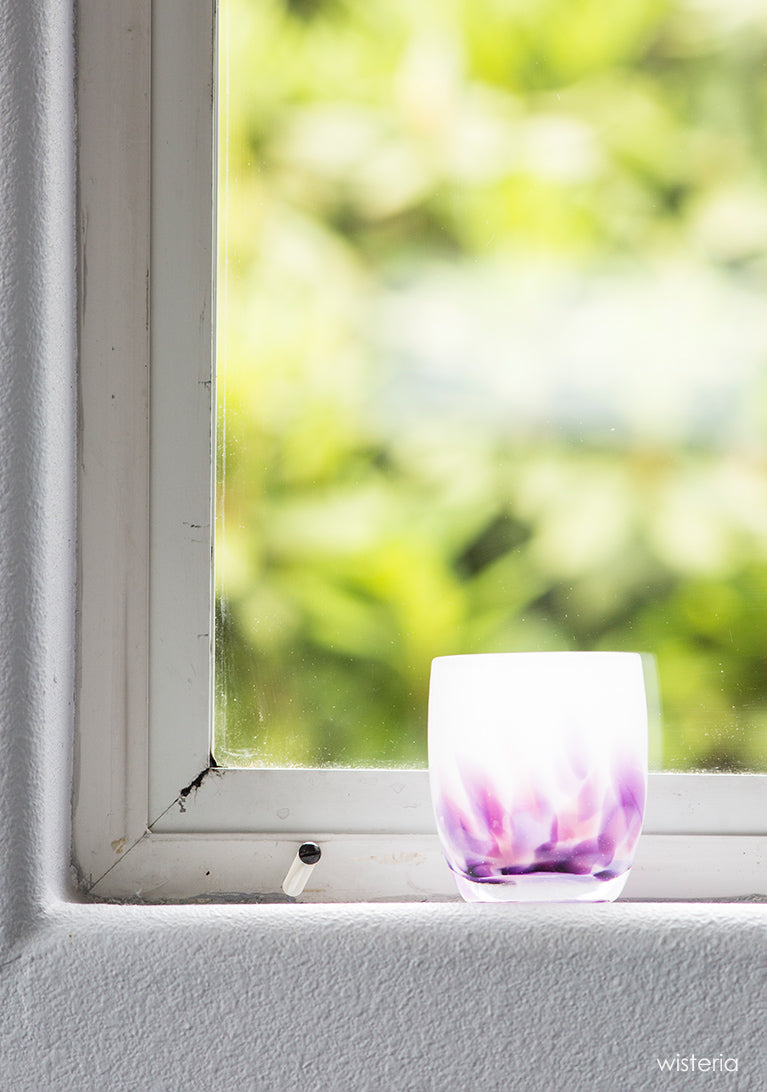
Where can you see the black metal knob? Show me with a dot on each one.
(309, 853)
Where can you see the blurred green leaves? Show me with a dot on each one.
(370, 518)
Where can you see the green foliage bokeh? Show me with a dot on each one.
(369, 149)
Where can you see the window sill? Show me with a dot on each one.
(167, 868)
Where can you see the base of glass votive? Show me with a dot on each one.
(543, 887)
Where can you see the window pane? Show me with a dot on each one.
(491, 364)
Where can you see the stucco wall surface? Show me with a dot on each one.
(391, 997)
(395, 997)
(37, 451)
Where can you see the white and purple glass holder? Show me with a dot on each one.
(538, 772)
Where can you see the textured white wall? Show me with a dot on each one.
(37, 453)
(269, 997)
(383, 998)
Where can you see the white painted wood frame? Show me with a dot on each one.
(152, 820)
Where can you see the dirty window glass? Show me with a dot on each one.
(491, 362)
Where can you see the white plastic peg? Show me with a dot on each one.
(298, 873)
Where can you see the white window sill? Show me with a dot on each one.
(695, 844)
(224, 869)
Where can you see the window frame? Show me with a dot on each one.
(154, 820)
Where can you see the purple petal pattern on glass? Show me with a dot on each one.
(593, 834)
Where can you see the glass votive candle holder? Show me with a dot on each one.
(538, 772)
